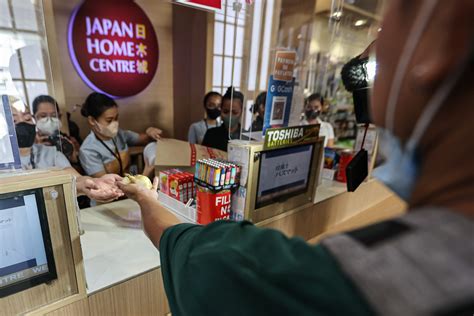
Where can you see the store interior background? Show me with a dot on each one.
(197, 54)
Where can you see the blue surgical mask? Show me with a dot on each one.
(401, 170)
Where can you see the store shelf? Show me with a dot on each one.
(177, 207)
(216, 188)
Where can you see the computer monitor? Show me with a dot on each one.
(26, 253)
(283, 173)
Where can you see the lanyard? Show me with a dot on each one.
(32, 159)
(116, 154)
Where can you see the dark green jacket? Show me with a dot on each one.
(229, 268)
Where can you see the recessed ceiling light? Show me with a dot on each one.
(337, 14)
(360, 22)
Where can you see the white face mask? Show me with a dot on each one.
(48, 125)
(110, 130)
(401, 170)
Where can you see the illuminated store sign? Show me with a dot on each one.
(113, 46)
(212, 5)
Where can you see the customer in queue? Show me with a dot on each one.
(232, 107)
(212, 106)
(312, 110)
(259, 109)
(416, 264)
(105, 149)
(39, 156)
(48, 124)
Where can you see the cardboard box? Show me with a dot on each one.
(173, 153)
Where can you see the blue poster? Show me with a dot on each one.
(278, 104)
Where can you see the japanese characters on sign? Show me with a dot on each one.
(113, 46)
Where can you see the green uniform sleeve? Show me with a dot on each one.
(229, 268)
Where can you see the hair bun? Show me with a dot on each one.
(84, 111)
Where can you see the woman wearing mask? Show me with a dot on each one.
(259, 109)
(232, 105)
(105, 149)
(48, 125)
(312, 109)
(39, 156)
(212, 105)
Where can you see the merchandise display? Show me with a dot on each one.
(217, 174)
(215, 179)
(178, 184)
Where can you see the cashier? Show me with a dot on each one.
(312, 110)
(212, 105)
(417, 264)
(232, 106)
(39, 156)
(105, 149)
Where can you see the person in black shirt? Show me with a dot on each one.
(232, 105)
(259, 109)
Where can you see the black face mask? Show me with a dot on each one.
(25, 134)
(213, 113)
(312, 114)
(355, 79)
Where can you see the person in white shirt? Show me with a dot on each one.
(312, 110)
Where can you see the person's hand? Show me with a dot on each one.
(42, 139)
(138, 192)
(154, 133)
(103, 189)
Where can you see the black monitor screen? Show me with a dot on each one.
(283, 173)
(26, 255)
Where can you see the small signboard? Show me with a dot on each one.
(278, 103)
(291, 136)
(284, 65)
(210, 5)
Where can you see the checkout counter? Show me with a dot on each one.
(112, 268)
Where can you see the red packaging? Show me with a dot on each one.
(176, 184)
(165, 180)
(346, 157)
(211, 206)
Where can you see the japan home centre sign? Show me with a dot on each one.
(113, 46)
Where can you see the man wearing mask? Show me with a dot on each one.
(312, 110)
(418, 264)
(38, 156)
(212, 105)
(232, 106)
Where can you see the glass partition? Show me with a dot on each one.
(29, 117)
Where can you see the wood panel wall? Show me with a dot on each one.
(189, 69)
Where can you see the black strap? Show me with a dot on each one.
(32, 159)
(116, 154)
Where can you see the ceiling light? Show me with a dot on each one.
(360, 22)
(337, 14)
